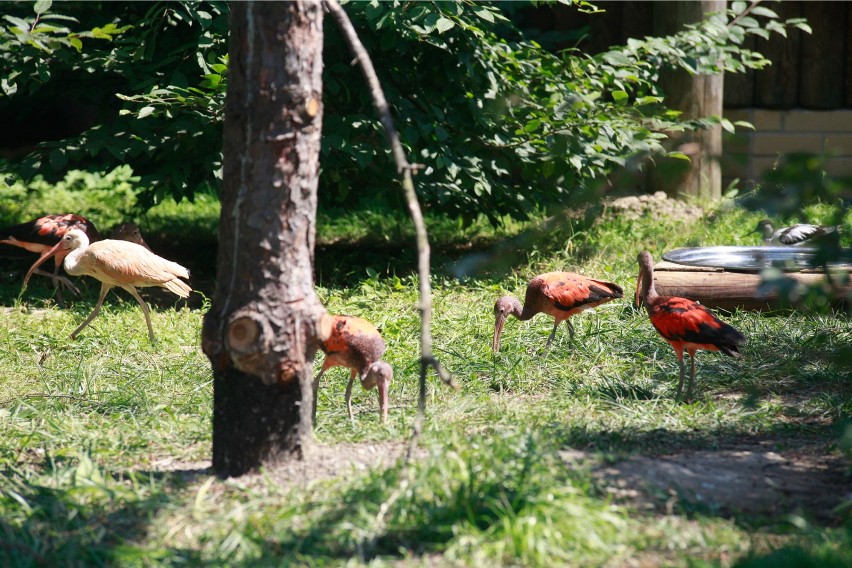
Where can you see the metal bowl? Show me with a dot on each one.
(791, 259)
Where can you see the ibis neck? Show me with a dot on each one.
(73, 259)
(647, 290)
(525, 313)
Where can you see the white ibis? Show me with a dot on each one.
(684, 323)
(558, 294)
(123, 264)
(356, 344)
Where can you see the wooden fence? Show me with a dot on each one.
(808, 71)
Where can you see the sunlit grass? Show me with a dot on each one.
(88, 426)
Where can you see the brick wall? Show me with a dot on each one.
(747, 154)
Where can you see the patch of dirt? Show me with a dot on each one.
(322, 462)
(637, 206)
(752, 478)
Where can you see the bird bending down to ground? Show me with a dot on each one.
(684, 323)
(123, 264)
(798, 235)
(356, 344)
(40, 236)
(558, 294)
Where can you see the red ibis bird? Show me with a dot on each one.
(356, 344)
(119, 263)
(684, 323)
(798, 235)
(41, 235)
(557, 294)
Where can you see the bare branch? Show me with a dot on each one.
(427, 359)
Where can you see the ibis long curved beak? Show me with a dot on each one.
(499, 320)
(382, 388)
(379, 375)
(57, 251)
(637, 297)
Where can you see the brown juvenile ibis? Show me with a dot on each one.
(798, 235)
(356, 344)
(123, 264)
(128, 231)
(684, 323)
(557, 294)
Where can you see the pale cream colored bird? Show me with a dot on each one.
(123, 264)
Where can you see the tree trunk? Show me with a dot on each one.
(697, 96)
(265, 322)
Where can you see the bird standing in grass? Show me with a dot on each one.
(356, 344)
(684, 323)
(558, 294)
(123, 264)
(798, 235)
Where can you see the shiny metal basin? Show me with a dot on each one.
(791, 259)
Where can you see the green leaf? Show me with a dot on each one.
(765, 12)
(619, 96)
(145, 111)
(485, 14)
(22, 25)
(678, 156)
(804, 27)
(532, 125)
(58, 159)
(616, 58)
(726, 124)
(444, 24)
(761, 32)
(204, 18)
(42, 6)
(745, 124)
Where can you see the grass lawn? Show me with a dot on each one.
(581, 457)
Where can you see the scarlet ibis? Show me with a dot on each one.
(41, 235)
(119, 263)
(356, 344)
(558, 294)
(800, 234)
(684, 323)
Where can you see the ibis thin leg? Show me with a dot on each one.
(680, 382)
(104, 289)
(145, 310)
(691, 376)
(349, 396)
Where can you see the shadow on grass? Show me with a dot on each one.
(92, 518)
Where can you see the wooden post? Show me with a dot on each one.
(696, 96)
(728, 290)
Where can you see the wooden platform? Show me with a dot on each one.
(719, 288)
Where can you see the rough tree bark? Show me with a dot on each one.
(265, 321)
(697, 96)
